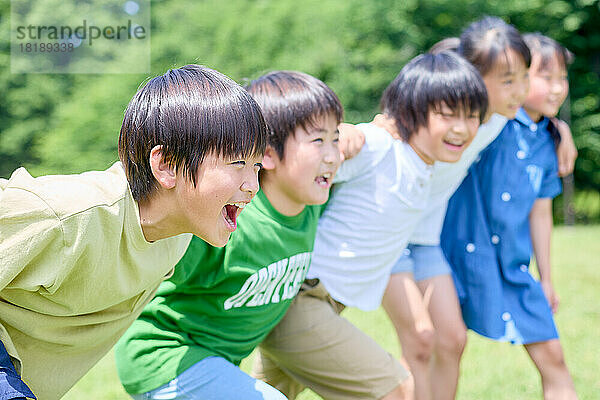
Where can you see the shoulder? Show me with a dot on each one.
(67, 195)
(378, 143)
(376, 138)
(488, 131)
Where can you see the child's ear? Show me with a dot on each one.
(270, 159)
(163, 172)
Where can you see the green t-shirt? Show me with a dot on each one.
(220, 301)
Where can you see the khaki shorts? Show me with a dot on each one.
(313, 346)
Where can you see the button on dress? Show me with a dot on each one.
(486, 234)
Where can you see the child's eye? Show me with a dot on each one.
(507, 82)
(317, 140)
(238, 163)
(447, 114)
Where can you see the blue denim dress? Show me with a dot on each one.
(486, 234)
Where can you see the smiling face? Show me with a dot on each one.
(305, 174)
(507, 84)
(447, 135)
(548, 88)
(224, 187)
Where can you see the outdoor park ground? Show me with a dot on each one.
(490, 370)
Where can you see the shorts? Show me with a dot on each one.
(213, 378)
(423, 261)
(11, 385)
(313, 346)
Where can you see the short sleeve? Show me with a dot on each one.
(377, 144)
(551, 184)
(31, 238)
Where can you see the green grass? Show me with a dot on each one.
(490, 370)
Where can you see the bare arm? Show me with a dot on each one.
(540, 225)
(351, 140)
(566, 151)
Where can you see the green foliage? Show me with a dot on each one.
(70, 123)
(585, 207)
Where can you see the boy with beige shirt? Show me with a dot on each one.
(81, 255)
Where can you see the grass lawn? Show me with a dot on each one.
(490, 370)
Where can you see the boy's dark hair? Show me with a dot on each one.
(548, 48)
(482, 42)
(447, 44)
(291, 99)
(191, 111)
(425, 83)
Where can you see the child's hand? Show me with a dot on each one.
(551, 295)
(388, 124)
(351, 140)
(566, 152)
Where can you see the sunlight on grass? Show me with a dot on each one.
(490, 370)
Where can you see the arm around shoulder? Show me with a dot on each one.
(566, 151)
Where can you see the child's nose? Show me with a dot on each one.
(556, 88)
(332, 154)
(250, 183)
(461, 125)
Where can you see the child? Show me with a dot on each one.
(420, 294)
(502, 213)
(81, 255)
(221, 302)
(435, 104)
(421, 277)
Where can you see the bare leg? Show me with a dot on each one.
(450, 335)
(404, 391)
(407, 310)
(549, 359)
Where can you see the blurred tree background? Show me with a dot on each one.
(65, 123)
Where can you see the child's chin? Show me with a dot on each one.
(319, 199)
(452, 158)
(219, 240)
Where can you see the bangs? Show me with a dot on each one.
(548, 49)
(191, 112)
(461, 89)
(291, 99)
(483, 42)
(209, 117)
(427, 82)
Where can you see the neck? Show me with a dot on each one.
(534, 115)
(278, 198)
(426, 159)
(157, 219)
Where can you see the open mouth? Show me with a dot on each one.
(230, 213)
(454, 145)
(324, 180)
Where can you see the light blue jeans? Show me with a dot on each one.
(213, 378)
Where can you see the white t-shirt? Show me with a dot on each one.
(378, 199)
(447, 177)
